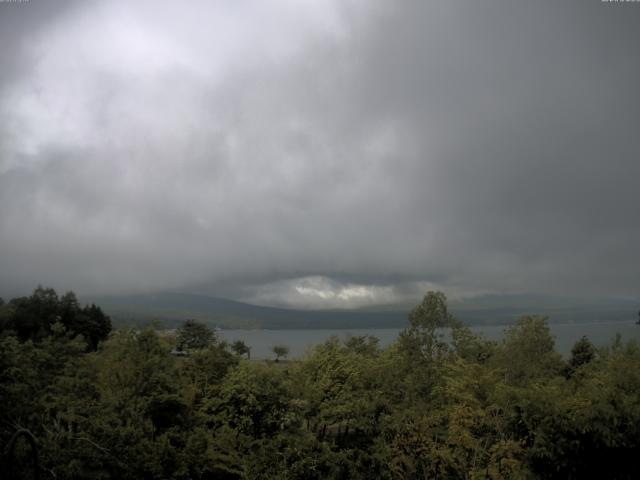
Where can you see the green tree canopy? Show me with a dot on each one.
(528, 351)
(582, 353)
(280, 351)
(241, 348)
(33, 317)
(426, 406)
(194, 335)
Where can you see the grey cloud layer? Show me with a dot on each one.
(477, 145)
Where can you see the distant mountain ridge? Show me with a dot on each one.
(171, 309)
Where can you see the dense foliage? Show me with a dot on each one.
(33, 318)
(440, 402)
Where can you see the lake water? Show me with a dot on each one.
(300, 341)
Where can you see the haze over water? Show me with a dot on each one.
(300, 341)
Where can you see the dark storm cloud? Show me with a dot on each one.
(337, 154)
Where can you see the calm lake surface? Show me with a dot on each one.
(300, 341)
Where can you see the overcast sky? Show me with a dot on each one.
(320, 153)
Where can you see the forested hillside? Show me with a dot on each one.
(125, 408)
